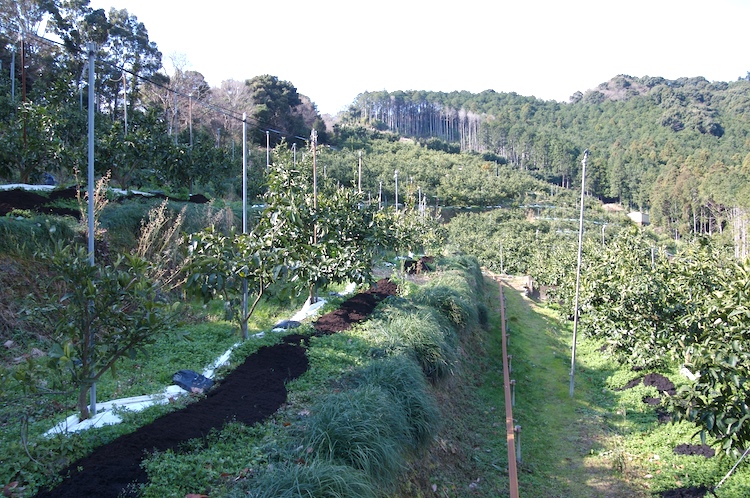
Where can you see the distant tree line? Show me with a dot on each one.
(665, 146)
(152, 128)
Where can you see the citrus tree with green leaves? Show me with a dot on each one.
(625, 298)
(224, 266)
(717, 353)
(100, 314)
(303, 239)
(689, 308)
(327, 230)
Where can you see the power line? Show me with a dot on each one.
(229, 113)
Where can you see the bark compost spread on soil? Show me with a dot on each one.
(249, 394)
(44, 204)
(665, 386)
(694, 449)
(660, 382)
(691, 492)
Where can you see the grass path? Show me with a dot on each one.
(565, 447)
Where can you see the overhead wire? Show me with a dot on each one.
(232, 114)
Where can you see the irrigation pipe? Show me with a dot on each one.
(732, 469)
(510, 427)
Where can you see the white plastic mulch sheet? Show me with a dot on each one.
(105, 412)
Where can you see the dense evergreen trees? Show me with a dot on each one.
(657, 144)
(676, 148)
(170, 131)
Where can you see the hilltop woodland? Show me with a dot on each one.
(674, 148)
(495, 177)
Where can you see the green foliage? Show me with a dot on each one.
(718, 400)
(363, 428)
(453, 298)
(420, 332)
(505, 242)
(327, 232)
(667, 145)
(275, 101)
(317, 479)
(408, 231)
(202, 463)
(102, 315)
(221, 266)
(335, 355)
(654, 310)
(29, 235)
(36, 142)
(402, 377)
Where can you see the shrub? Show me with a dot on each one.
(317, 479)
(402, 377)
(364, 428)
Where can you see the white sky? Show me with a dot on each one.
(333, 50)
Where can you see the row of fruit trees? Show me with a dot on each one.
(309, 235)
(690, 308)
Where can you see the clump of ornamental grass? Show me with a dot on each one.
(402, 377)
(364, 428)
(469, 268)
(318, 478)
(420, 332)
(458, 308)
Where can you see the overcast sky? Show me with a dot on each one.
(333, 50)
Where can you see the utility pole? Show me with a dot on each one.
(174, 118)
(125, 99)
(268, 150)
(23, 83)
(13, 73)
(359, 182)
(314, 140)
(190, 117)
(395, 177)
(91, 225)
(578, 275)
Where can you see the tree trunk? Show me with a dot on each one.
(83, 407)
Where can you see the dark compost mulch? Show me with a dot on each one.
(45, 203)
(250, 393)
(691, 492)
(665, 386)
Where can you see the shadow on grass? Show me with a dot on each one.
(567, 443)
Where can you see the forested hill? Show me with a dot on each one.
(678, 147)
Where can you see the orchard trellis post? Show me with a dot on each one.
(578, 276)
(13, 73)
(244, 219)
(268, 149)
(359, 177)
(91, 225)
(395, 177)
(314, 143)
